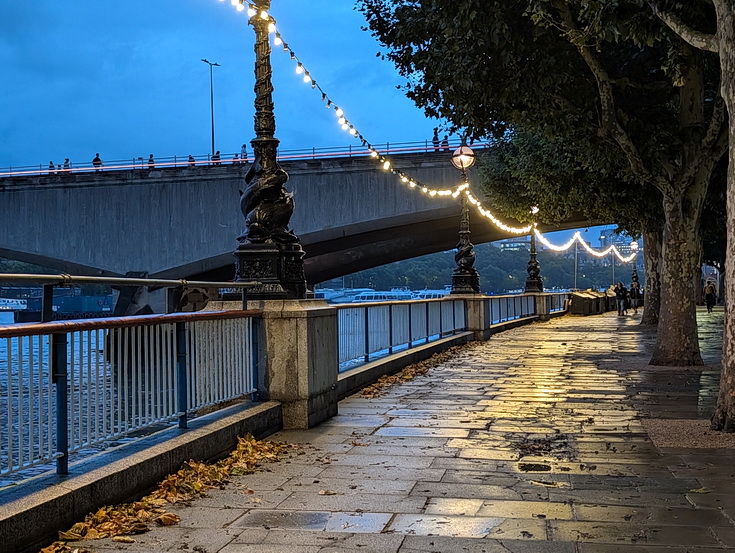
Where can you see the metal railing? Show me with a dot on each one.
(369, 331)
(557, 302)
(69, 385)
(230, 158)
(66, 386)
(501, 309)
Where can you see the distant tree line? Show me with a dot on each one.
(500, 272)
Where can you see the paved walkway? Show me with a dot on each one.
(530, 442)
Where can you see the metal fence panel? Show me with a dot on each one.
(370, 331)
(116, 380)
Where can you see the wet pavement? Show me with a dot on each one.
(529, 442)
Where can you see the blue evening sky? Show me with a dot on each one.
(126, 79)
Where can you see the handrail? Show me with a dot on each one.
(140, 163)
(79, 325)
(63, 279)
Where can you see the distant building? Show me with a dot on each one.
(521, 243)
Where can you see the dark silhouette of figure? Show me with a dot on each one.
(244, 153)
(97, 162)
(216, 158)
(710, 296)
(435, 140)
(51, 168)
(445, 143)
(67, 163)
(621, 298)
(635, 295)
(236, 159)
(151, 163)
(192, 161)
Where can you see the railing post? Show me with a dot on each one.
(254, 330)
(410, 326)
(390, 328)
(454, 316)
(441, 320)
(59, 378)
(244, 292)
(47, 303)
(367, 334)
(427, 322)
(182, 382)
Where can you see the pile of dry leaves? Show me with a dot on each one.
(193, 479)
(408, 373)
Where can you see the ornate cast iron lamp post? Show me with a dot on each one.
(267, 251)
(534, 282)
(465, 279)
(634, 248)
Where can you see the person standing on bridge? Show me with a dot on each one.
(151, 163)
(51, 168)
(244, 153)
(97, 162)
(445, 143)
(67, 164)
(192, 161)
(435, 139)
(216, 158)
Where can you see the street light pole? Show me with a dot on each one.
(465, 279)
(534, 282)
(268, 251)
(576, 263)
(211, 94)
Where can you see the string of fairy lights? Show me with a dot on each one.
(387, 165)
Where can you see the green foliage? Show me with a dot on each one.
(500, 271)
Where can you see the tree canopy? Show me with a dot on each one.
(604, 82)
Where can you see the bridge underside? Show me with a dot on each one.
(337, 252)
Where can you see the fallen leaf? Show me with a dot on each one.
(327, 492)
(168, 519)
(123, 539)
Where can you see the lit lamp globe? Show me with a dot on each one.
(463, 158)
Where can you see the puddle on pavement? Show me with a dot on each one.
(534, 467)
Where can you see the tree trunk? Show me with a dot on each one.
(652, 266)
(677, 340)
(724, 415)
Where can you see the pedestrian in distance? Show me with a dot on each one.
(710, 296)
(151, 163)
(216, 158)
(621, 295)
(97, 162)
(192, 161)
(244, 153)
(51, 168)
(236, 159)
(635, 295)
(435, 139)
(445, 143)
(67, 164)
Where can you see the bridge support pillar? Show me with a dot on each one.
(298, 359)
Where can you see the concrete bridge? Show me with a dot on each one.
(182, 222)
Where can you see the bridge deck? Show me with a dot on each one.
(533, 441)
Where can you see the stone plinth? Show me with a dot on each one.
(297, 358)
